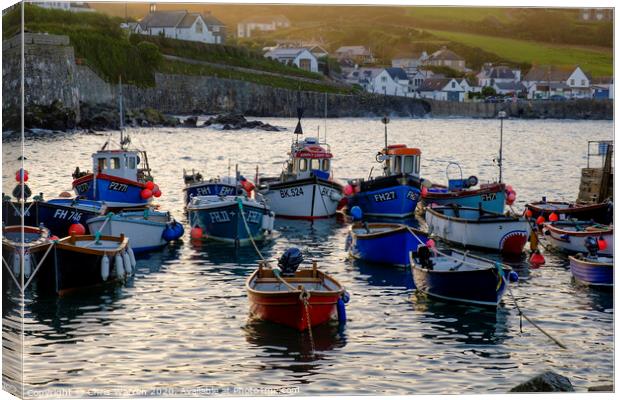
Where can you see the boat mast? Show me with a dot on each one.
(120, 106)
(386, 121)
(501, 115)
(325, 119)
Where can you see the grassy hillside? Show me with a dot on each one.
(598, 62)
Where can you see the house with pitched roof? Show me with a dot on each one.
(261, 23)
(73, 6)
(298, 56)
(446, 89)
(386, 81)
(446, 58)
(182, 25)
(490, 74)
(357, 54)
(543, 82)
(409, 62)
(603, 87)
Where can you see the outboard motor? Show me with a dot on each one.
(424, 257)
(592, 245)
(289, 261)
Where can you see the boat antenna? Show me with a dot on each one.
(501, 115)
(385, 121)
(325, 119)
(124, 140)
(298, 129)
(229, 169)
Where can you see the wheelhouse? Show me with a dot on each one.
(400, 159)
(310, 157)
(127, 164)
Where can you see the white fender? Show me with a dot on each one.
(105, 268)
(118, 266)
(27, 265)
(272, 220)
(16, 265)
(335, 196)
(127, 263)
(265, 222)
(132, 257)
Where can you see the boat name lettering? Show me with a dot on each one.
(253, 217)
(488, 196)
(118, 187)
(380, 197)
(411, 195)
(82, 187)
(219, 217)
(291, 192)
(66, 214)
(326, 191)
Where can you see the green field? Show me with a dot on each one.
(597, 62)
(459, 13)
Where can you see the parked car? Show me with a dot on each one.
(557, 97)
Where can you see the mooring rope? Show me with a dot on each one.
(521, 313)
(10, 272)
(39, 264)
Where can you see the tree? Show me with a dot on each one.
(488, 91)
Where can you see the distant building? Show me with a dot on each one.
(446, 58)
(313, 47)
(357, 54)
(603, 87)
(261, 24)
(182, 25)
(546, 81)
(300, 57)
(411, 62)
(387, 81)
(596, 14)
(73, 6)
(489, 75)
(446, 89)
(508, 88)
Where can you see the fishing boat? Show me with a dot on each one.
(598, 212)
(592, 269)
(146, 230)
(121, 177)
(570, 236)
(84, 261)
(489, 196)
(384, 243)
(478, 228)
(196, 185)
(299, 299)
(460, 276)
(306, 188)
(232, 219)
(22, 254)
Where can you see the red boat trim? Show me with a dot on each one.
(567, 207)
(579, 233)
(89, 177)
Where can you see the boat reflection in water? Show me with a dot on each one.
(379, 275)
(452, 322)
(289, 349)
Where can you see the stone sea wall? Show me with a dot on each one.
(52, 74)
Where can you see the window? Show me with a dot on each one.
(305, 64)
(572, 82)
(198, 27)
(398, 165)
(453, 84)
(303, 164)
(101, 164)
(326, 164)
(417, 165)
(132, 163)
(115, 163)
(315, 163)
(408, 167)
(383, 79)
(583, 82)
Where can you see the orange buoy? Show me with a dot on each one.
(196, 232)
(77, 229)
(537, 259)
(540, 220)
(553, 217)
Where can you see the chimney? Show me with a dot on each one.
(152, 7)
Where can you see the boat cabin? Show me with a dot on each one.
(121, 163)
(309, 157)
(400, 159)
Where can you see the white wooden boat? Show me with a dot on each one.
(570, 236)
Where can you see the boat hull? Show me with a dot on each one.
(491, 198)
(36, 244)
(114, 191)
(601, 212)
(221, 220)
(398, 201)
(389, 247)
(208, 189)
(311, 198)
(502, 234)
(482, 287)
(572, 241)
(592, 273)
(143, 235)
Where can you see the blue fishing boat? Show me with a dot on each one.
(592, 269)
(121, 177)
(460, 277)
(384, 243)
(220, 218)
(196, 185)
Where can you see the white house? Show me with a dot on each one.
(363, 77)
(261, 24)
(298, 56)
(387, 81)
(417, 77)
(409, 63)
(546, 81)
(446, 89)
(359, 54)
(182, 25)
(603, 87)
(508, 88)
(73, 6)
(490, 74)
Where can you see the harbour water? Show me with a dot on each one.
(180, 326)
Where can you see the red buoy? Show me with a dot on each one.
(157, 193)
(196, 232)
(553, 217)
(602, 243)
(77, 229)
(537, 259)
(146, 193)
(430, 243)
(348, 190)
(21, 173)
(528, 213)
(150, 185)
(540, 220)
(424, 191)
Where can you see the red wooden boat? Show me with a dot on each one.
(280, 299)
